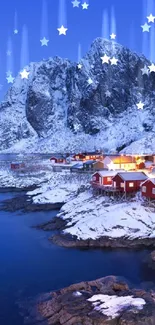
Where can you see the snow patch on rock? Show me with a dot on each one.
(112, 306)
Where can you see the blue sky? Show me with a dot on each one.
(83, 27)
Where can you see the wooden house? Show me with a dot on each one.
(148, 188)
(17, 165)
(94, 156)
(119, 162)
(128, 181)
(103, 177)
(58, 159)
(79, 156)
(89, 156)
(92, 165)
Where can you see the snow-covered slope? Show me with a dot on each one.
(56, 109)
(92, 217)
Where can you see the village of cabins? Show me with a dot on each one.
(110, 174)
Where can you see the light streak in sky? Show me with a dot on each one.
(105, 25)
(44, 21)
(113, 22)
(145, 35)
(113, 28)
(9, 57)
(62, 20)
(24, 48)
(151, 10)
(15, 23)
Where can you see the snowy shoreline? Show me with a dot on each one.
(85, 220)
(92, 221)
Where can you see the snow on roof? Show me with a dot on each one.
(90, 162)
(112, 306)
(151, 179)
(93, 153)
(78, 165)
(134, 176)
(57, 156)
(122, 159)
(108, 172)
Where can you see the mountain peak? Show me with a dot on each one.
(61, 107)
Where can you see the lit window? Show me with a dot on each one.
(122, 184)
(108, 179)
(144, 189)
(131, 184)
(153, 191)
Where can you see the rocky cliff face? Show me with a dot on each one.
(57, 109)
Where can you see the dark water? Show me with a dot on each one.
(30, 264)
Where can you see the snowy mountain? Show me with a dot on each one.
(62, 107)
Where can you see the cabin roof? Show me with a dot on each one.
(152, 180)
(94, 153)
(79, 154)
(90, 162)
(133, 176)
(122, 159)
(58, 156)
(78, 166)
(107, 173)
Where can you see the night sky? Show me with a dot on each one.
(35, 19)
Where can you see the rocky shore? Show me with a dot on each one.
(67, 240)
(106, 301)
(18, 189)
(26, 204)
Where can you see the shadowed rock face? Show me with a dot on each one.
(70, 306)
(57, 96)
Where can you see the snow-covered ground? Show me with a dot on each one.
(94, 217)
(60, 188)
(112, 306)
(11, 179)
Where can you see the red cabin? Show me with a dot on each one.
(57, 160)
(129, 181)
(17, 165)
(148, 188)
(103, 178)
